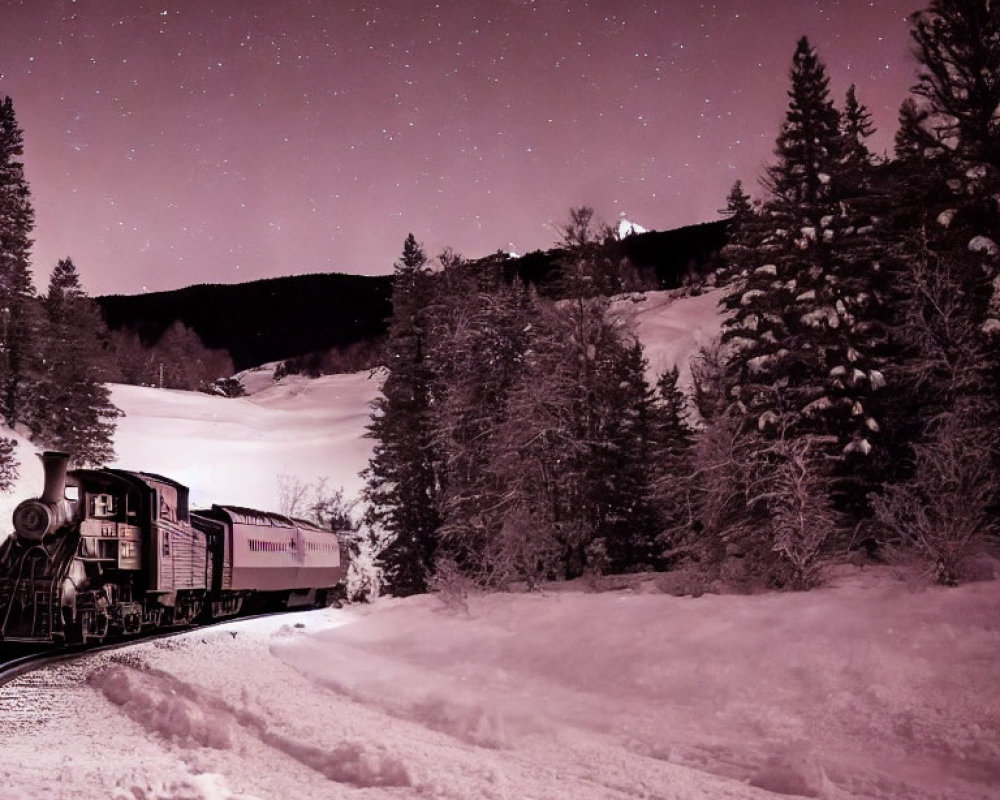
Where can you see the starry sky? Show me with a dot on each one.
(190, 141)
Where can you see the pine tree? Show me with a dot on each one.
(954, 117)
(855, 165)
(738, 204)
(402, 477)
(777, 301)
(958, 46)
(808, 146)
(946, 221)
(590, 265)
(911, 140)
(807, 339)
(746, 231)
(806, 325)
(18, 311)
(856, 126)
(942, 241)
(571, 451)
(673, 458)
(72, 409)
(636, 450)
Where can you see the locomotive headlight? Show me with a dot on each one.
(32, 520)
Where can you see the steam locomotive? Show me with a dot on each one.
(105, 553)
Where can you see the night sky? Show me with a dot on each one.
(195, 141)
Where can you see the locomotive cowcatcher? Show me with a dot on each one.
(108, 552)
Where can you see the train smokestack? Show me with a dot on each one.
(55, 464)
(33, 519)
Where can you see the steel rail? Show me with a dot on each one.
(43, 656)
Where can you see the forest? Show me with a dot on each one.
(847, 412)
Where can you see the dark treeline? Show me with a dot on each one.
(323, 322)
(637, 262)
(848, 411)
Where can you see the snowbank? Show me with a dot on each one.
(873, 687)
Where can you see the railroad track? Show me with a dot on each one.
(30, 694)
(37, 683)
(14, 663)
(17, 660)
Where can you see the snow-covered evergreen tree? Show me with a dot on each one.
(777, 301)
(556, 450)
(673, 458)
(640, 446)
(958, 47)
(481, 328)
(946, 220)
(71, 409)
(807, 340)
(807, 327)
(808, 146)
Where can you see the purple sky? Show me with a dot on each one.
(189, 141)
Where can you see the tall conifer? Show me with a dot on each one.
(401, 479)
(18, 318)
(71, 409)
(806, 323)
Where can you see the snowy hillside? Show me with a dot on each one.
(237, 450)
(672, 329)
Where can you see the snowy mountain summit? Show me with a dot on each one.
(628, 228)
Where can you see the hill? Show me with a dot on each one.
(262, 320)
(280, 318)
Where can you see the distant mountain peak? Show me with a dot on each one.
(628, 228)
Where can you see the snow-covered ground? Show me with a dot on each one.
(673, 328)
(875, 686)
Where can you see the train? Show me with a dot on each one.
(110, 553)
